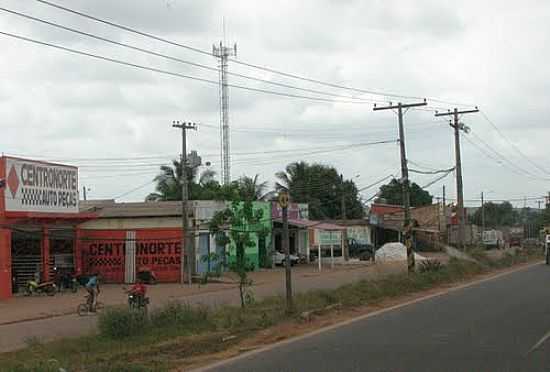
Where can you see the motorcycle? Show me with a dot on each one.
(65, 280)
(34, 287)
(136, 302)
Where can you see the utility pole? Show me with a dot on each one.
(223, 53)
(459, 187)
(445, 216)
(539, 202)
(187, 251)
(283, 203)
(345, 250)
(482, 215)
(84, 192)
(407, 228)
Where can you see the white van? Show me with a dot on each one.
(493, 239)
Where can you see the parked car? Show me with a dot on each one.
(362, 251)
(279, 258)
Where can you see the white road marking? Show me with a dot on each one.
(541, 341)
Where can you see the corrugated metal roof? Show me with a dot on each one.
(139, 209)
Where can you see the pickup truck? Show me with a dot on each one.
(362, 251)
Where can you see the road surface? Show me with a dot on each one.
(491, 326)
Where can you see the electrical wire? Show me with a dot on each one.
(267, 69)
(179, 60)
(170, 73)
(514, 146)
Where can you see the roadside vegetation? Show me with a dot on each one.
(170, 336)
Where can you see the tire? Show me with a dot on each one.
(50, 291)
(74, 288)
(82, 309)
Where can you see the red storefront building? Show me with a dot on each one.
(38, 218)
(43, 225)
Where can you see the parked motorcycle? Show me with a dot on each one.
(34, 287)
(65, 280)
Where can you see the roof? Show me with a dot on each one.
(354, 222)
(311, 224)
(134, 210)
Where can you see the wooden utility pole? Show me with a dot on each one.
(187, 245)
(283, 203)
(407, 228)
(459, 187)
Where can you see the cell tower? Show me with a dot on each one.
(223, 53)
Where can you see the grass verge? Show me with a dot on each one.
(171, 335)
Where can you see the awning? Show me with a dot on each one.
(308, 224)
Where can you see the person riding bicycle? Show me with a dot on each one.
(139, 290)
(92, 286)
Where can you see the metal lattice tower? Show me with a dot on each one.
(222, 52)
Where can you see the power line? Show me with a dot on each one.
(170, 73)
(179, 60)
(197, 50)
(514, 146)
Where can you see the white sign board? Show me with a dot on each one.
(40, 187)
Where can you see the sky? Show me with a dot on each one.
(115, 122)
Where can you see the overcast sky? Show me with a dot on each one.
(493, 54)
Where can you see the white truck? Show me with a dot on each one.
(493, 239)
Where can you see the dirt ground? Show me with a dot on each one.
(22, 308)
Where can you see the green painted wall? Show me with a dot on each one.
(253, 253)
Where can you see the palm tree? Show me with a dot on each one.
(169, 182)
(250, 188)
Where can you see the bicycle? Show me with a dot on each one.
(85, 308)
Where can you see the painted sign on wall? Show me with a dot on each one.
(105, 252)
(33, 186)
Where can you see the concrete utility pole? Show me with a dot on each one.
(283, 203)
(407, 228)
(482, 215)
(187, 245)
(459, 188)
(345, 248)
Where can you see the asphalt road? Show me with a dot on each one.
(490, 326)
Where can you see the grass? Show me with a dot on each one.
(129, 342)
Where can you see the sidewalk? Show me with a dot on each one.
(269, 283)
(22, 308)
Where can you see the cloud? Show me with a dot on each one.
(65, 106)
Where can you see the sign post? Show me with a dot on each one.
(283, 203)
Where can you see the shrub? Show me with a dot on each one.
(182, 316)
(430, 266)
(119, 323)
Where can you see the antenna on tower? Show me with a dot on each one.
(223, 53)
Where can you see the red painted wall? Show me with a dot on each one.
(103, 251)
(5, 263)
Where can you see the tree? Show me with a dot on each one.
(250, 188)
(169, 182)
(322, 188)
(496, 215)
(241, 220)
(206, 187)
(392, 193)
